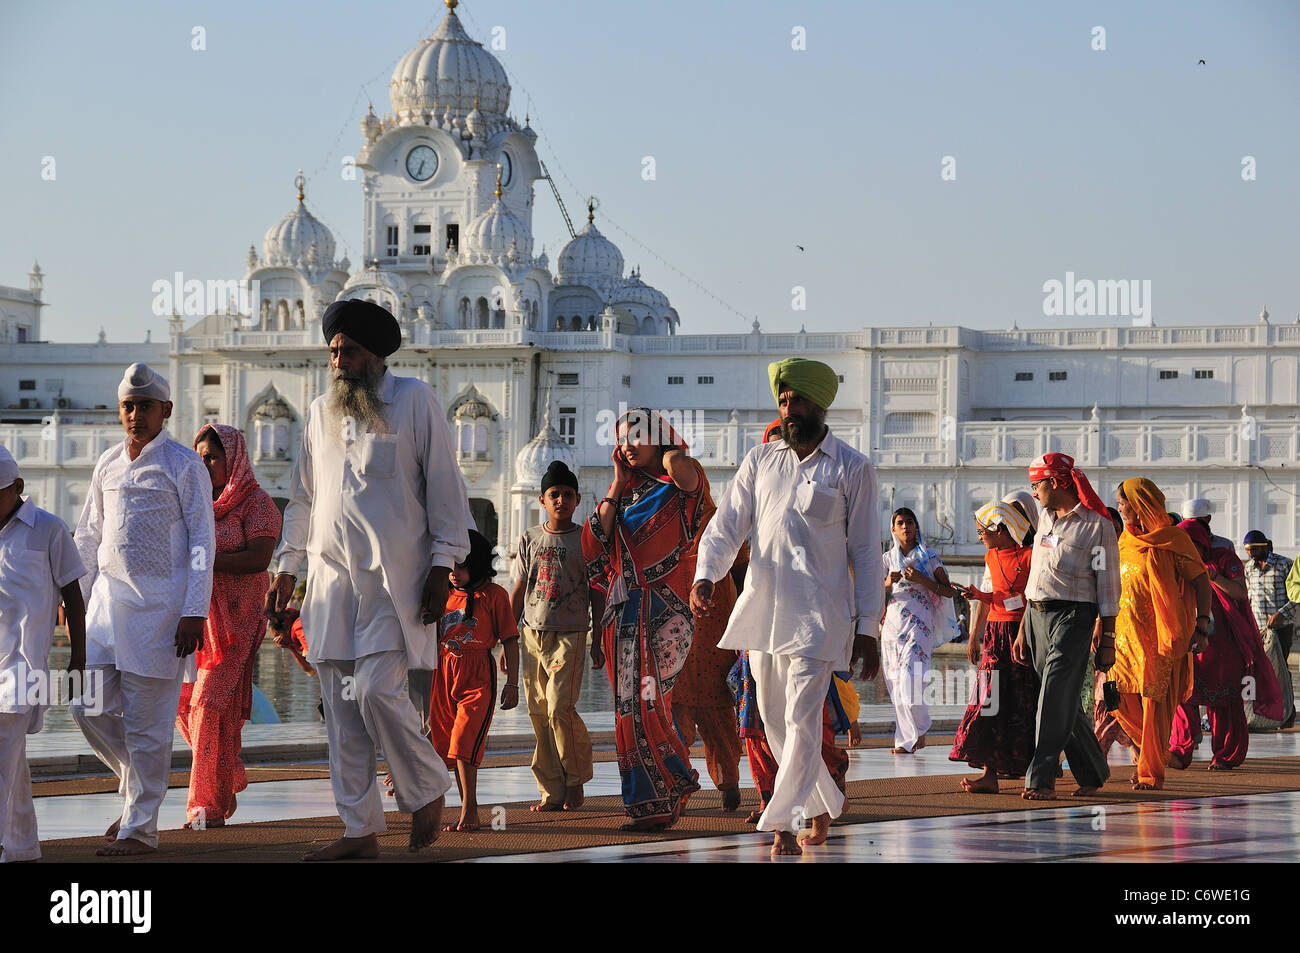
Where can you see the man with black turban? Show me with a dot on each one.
(378, 511)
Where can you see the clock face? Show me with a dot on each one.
(421, 163)
(507, 169)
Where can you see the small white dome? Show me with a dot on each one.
(537, 455)
(374, 279)
(633, 290)
(494, 232)
(291, 239)
(449, 70)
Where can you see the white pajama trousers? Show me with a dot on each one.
(132, 734)
(906, 677)
(791, 693)
(367, 708)
(17, 812)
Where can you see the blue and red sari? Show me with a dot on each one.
(646, 567)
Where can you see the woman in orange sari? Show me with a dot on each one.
(1164, 612)
(640, 550)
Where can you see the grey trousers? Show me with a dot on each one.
(1060, 641)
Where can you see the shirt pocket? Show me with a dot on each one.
(379, 455)
(819, 505)
(24, 576)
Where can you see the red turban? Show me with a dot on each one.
(1058, 466)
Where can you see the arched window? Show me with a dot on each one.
(559, 323)
(499, 318)
(481, 313)
(464, 314)
(648, 325)
(533, 323)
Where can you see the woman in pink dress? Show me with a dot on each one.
(213, 710)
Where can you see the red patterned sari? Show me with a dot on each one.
(212, 710)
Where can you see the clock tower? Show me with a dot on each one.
(431, 169)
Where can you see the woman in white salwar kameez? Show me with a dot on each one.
(915, 616)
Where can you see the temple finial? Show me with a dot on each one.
(299, 182)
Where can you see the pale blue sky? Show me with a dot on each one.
(1117, 164)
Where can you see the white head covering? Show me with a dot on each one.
(1195, 509)
(1001, 512)
(140, 380)
(8, 468)
(1027, 501)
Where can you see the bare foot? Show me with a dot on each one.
(424, 825)
(920, 743)
(785, 843)
(545, 805)
(981, 785)
(201, 823)
(1143, 786)
(899, 750)
(347, 848)
(110, 835)
(573, 798)
(1219, 766)
(730, 798)
(1085, 791)
(1176, 761)
(1038, 794)
(126, 847)
(821, 825)
(753, 817)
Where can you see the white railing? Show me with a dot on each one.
(1123, 443)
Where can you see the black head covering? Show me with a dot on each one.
(479, 566)
(559, 474)
(365, 322)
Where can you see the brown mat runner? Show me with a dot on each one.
(104, 784)
(597, 823)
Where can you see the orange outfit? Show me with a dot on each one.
(464, 684)
(1153, 631)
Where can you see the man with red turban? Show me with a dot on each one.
(1073, 578)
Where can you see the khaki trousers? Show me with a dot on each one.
(553, 666)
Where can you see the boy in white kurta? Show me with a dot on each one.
(147, 538)
(39, 566)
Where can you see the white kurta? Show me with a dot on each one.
(148, 540)
(811, 521)
(37, 559)
(372, 513)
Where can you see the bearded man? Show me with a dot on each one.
(378, 512)
(810, 504)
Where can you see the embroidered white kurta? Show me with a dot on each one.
(37, 559)
(372, 513)
(811, 521)
(148, 540)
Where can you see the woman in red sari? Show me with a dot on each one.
(213, 710)
(640, 550)
(1233, 659)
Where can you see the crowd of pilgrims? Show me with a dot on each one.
(1177, 624)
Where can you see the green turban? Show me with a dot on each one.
(811, 379)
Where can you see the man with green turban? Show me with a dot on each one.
(814, 380)
(809, 504)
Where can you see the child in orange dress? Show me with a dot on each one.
(477, 617)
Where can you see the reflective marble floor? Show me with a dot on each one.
(1259, 827)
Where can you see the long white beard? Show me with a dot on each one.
(357, 400)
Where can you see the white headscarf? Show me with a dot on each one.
(1030, 505)
(140, 380)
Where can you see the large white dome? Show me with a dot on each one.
(290, 241)
(538, 454)
(590, 259)
(450, 70)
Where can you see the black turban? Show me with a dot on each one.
(558, 474)
(365, 322)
